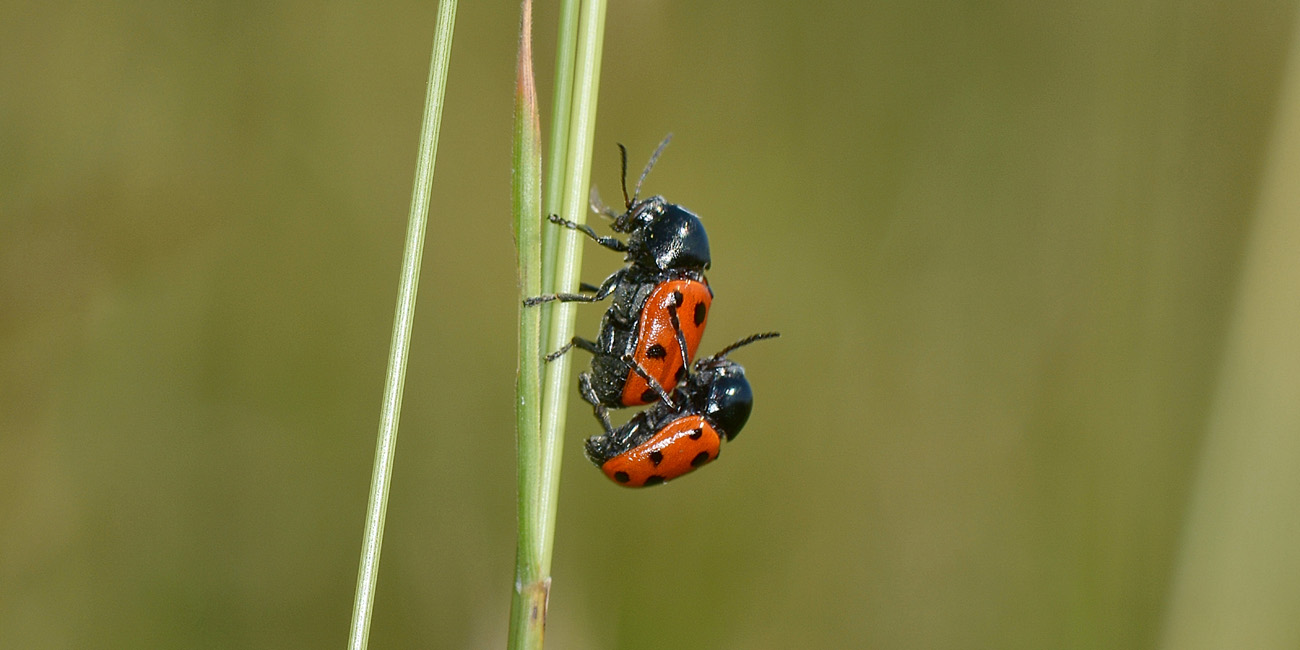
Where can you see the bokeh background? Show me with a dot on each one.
(1033, 263)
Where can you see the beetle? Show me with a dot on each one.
(661, 296)
(681, 432)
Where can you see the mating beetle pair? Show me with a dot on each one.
(647, 339)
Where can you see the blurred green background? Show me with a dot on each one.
(1008, 244)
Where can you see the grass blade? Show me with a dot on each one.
(582, 125)
(566, 48)
(528, 604)
(1235, 583)
(395, 377)
(539, 471)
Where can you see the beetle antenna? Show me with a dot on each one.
(622, 151)
(646, 172)
(745, 341)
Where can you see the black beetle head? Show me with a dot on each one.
(668, 236)
(726, 400)
(662, 235)
(720, 391)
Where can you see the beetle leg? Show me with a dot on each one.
(589, 395)
(681, 338)
(611, 243)
(602, 292)
(651, 381)
(577, 342)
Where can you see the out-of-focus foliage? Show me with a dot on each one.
(1002, 240)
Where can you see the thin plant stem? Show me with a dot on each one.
(566, 48)
(555, 386)
(395, 377)
(537, 519)
(527, 608)
(1234, 580)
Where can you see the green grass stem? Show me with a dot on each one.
(566, 49)
(527, 607)
(582, 127)
(1234, 585)
(395, 377)
(539, 471)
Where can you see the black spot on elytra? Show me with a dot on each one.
(656, 351)
(621, 477)
(700, 312)
(649, 395)
(656, 457)
(654, 479)
(678, 299)
(695, 435)
(700, 459)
